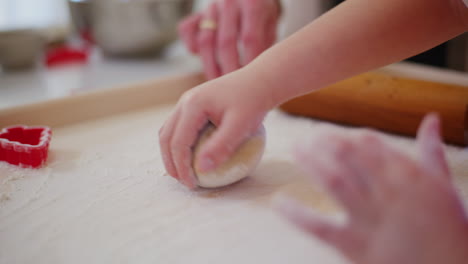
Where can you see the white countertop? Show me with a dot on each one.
(17, 88)
(103, 198)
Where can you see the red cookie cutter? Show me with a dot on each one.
(24, 146)
(66, 54)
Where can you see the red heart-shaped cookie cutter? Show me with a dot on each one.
(25, 146)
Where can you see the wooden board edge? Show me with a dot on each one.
(97, 104)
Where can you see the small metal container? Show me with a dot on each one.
(132, 28)
(20, 48)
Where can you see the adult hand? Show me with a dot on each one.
(231, 33)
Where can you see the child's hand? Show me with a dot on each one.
(399, 210)
(235, 103)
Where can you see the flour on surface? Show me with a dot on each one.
(103, 198)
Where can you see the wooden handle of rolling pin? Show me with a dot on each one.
(388, 103)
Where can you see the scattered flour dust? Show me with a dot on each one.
(20, 182)
(103, 197)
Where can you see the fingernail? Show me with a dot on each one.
(206, 164)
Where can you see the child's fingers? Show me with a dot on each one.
(431, 151)
(230, 134)
(165, 136)
(191, 121)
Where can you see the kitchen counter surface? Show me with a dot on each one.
(41, 84)
(103, 196)
(102, 73)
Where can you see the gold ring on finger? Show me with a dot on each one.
(209, 24)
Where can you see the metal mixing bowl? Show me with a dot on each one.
(131, 27)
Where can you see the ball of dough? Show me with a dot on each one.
(238, 166)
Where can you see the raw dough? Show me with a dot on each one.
(240, 165)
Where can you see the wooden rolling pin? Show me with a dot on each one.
(388, 103)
